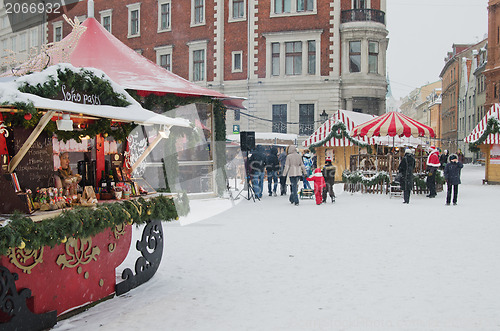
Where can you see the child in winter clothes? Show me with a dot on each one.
(319, 184)
(452, 175)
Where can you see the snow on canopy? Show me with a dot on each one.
(10, 94)
(493, 138)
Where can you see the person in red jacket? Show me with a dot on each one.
(432, 167)
(319, 184)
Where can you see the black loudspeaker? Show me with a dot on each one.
(247, 141)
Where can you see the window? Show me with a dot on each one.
(306, 119)
(305, 5)
(279, 119)
(34, 37)
(22, 42)
(106, 19)
(198, 12)
(198, 65)
(293, 58)
(58, 33)
(237, 114)
(134, 20)
(13, 44)
(359, 4)
(237, 61)
(311, 57)
(237, 10)
(164, 57)
(373, 57)
(275, 59)
(282, 6)
(292, 53)
(198, 60)
(355, 56)
(4, 47)
(164, 15)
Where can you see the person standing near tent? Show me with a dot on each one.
(432, 167)
(452, 175)
(406, 170)
(295, 170)
(257, 165)
(282, 160)
(319, 185)
(272, 168)
(329, 175)
(308, 162)
(443, 159)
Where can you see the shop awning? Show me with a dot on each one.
(479, 130)
(392, 124)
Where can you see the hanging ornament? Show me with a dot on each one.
(21, 245)
(28, 116)
(63, 240)
(148, 212)
(105, 134)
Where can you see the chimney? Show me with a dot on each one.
(90, 8)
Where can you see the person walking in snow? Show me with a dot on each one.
(319, 185)
(307, 160)
(272, 168)
(406, 170)
(295, 170)
(452, 176)
(329, 175)
(257, 165)
(282, 160)
(432, 167)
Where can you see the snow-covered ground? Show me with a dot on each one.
(367, 262)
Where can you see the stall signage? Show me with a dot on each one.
(236, 128)
(70, 94)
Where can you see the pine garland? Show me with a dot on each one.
(492, 127)
(357, 176)
(84, 80)
(339, 131)
(83, 222)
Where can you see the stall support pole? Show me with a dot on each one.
(100, 159)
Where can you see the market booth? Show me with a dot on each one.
(486, 138)
(64, 231)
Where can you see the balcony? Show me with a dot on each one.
(361, 15)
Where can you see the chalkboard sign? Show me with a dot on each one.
(36, 169)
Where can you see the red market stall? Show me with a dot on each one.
(486, 138)
(56, 259)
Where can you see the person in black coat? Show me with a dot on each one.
(329, 175)
(273, 168)
(452, 176)
(257, 166)
(406, 170)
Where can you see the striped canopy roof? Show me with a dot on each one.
(478, 131)
(350, 120)
(392, 124)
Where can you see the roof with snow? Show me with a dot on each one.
(493, 138)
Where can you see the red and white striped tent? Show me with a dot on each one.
(493, 138)
(392, 124)
(350, 120)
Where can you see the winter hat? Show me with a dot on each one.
(407, 151)
(453, 157)
(328, 159)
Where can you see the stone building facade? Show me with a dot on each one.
(292, 59)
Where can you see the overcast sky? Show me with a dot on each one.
(421, 32)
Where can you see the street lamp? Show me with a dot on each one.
(323, 116)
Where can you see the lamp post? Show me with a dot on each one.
(323, 116)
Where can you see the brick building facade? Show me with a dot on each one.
(292, 59)
(492, 71)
